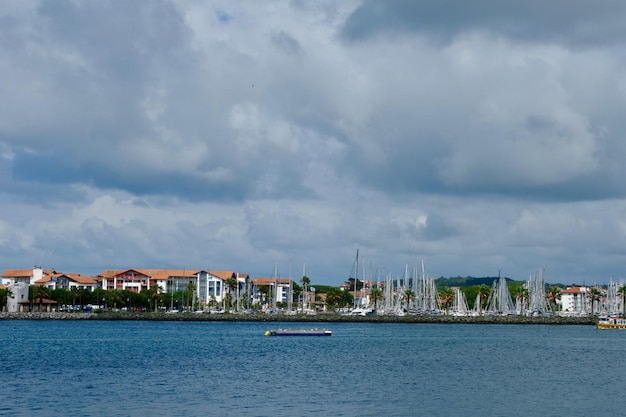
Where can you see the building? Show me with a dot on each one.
(279, 290)
(27, 276)
(20, 296)
(67, 282)
(575, 300)
(209, 287)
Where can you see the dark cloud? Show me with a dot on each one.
(573, 23)
(287, 43)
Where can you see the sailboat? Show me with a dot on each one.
(358, 309)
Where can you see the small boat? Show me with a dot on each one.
(298, 332)
(605, 322)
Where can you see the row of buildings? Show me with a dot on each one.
(211, 288)
(208, 286)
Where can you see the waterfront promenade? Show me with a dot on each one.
(301, 318)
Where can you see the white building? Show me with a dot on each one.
(20, 295)
(575, 300)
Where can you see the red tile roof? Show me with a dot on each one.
(17, 273)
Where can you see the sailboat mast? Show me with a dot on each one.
(305, 296)
(356, 276)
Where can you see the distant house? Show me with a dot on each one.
(20, 296)
(280, 291)
(575, 300)
(209, 285)
(134, 280)
(19, 281)
(67, 282)
(39, 305)
(138, 280)
(27, 276)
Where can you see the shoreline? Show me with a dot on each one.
(300, 318)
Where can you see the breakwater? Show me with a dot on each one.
(301, 318)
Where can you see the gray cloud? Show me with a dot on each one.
(577, 23)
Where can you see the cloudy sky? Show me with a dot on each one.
(478, 137)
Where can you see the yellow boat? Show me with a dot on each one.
(611, 323)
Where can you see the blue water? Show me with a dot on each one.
(100, 368)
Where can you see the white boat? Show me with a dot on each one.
(361, 312)
(298, 332)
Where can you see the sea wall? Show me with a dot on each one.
(300, 318)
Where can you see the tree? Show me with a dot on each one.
(522, 298)
(212, 301)
(305, 284)
(5, 294)
(231, 284)
(115, 297)
(333, 297)
(408, 295)
(359, 284)
(594, 295)
(154, 293)
(621, 291)
(264, 290)
(81, 293)
(40, 293)
(376, 294)
(553, 294)
(190, 293)
(97, 297)
(347, 299)
(297, 291)
(74, 292)
(483, 294)
(446, 296)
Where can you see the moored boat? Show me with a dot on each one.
(298, 332)
(611, 323)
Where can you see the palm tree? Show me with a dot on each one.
(81, 292)
(621, 291)
(40, 293)
(553, 294)
(74, 291)
(190, 292)
(231, 284)
(5, 294)
(522, 296)
(264, 290)
(594, 295)
(333, 297)
(115, 297)
(483, 294)
(446, 295)
(154, 293)
(305, 283)
(376, 294)
(408, 295)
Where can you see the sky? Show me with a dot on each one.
(281, 137)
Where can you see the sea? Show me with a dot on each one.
(152, 368)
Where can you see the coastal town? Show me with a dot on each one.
(199, 291)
